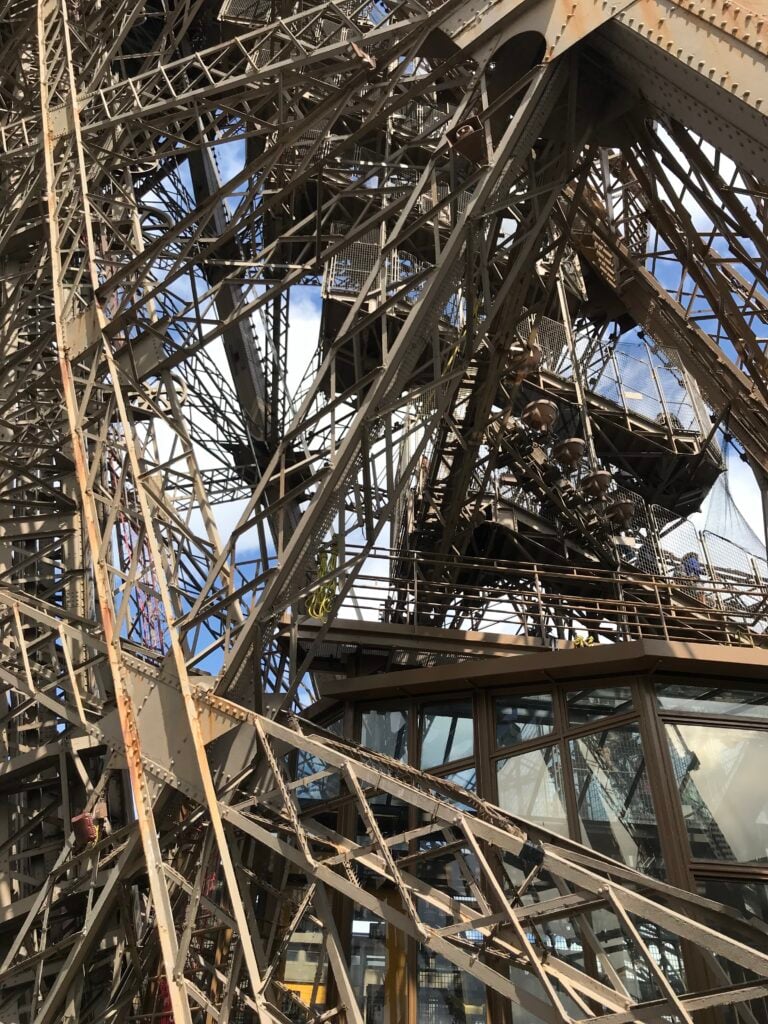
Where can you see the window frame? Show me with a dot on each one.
(650, 719)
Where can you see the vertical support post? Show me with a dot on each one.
(578, 376)
(396, 977)
(71, 245)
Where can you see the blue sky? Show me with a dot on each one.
(305, 305)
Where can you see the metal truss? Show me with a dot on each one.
(170, 171)
(276, 784)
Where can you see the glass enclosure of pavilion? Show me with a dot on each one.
(662, 773)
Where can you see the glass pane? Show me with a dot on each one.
(466, 778)
(587, 705)
(322, 779)
(750, 899)
(559, 936)
(444, 872)
(387, 732)
(392, 815)
(446, 995)
(720, 774)
(531, 786)
(535, 1006)
(336, 726)
(614, 798)
(446, 732)
(441, 868)
(630, 964)
(539, 889)
(519, 719)
(713, 700)
(368, 964)
(305, 969)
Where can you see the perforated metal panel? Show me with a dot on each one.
(252, 11)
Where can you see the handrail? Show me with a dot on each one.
(564, 602)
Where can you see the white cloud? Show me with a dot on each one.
(303, 334)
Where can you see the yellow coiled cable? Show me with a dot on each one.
(320, 601)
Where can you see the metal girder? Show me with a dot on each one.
(271, 808)
(702, 64)
(162, 844)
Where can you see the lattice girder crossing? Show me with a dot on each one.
(446, 179)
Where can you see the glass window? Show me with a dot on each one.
(539, 890)
(305, 969)
(336, 726)
(588, 705)
(446, 995)
(441, 868)
(443, 871)
(322, 779)
(531, 787)
(720, 774)
(523, 718)
(466, 778)
(392, 816)
(613, 797)
(387, 732)
(368, 964)
(628, 962)
(750, 899)
(446, 732)
(713, 700)
(560, 936)
(535, 1005)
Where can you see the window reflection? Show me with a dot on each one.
(444, 872)
(523, 718)
(392, 815)
(531, 786)
(588, 705)
(560, 936)
(749, 899)
(368, 964)
(305, 968)
(446, 732)
(629, 963)
(387, 732)
(613, 797)
(336, 726)
(467, 779)
(322, 779)
(538, 890)
(714, 700)
(535, 1005)
(446, 995)
(720, 774)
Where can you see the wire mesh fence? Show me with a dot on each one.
(643, 384)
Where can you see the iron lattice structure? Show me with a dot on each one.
(488, 199)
